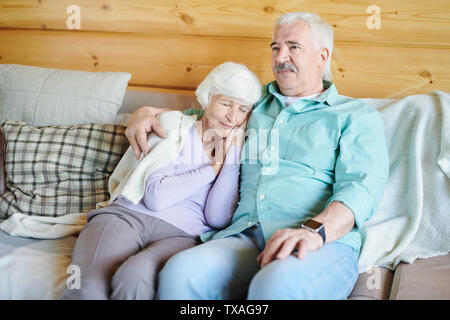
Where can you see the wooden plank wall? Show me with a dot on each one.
(171, 45)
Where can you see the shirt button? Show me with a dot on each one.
(272, 148)
(249, 223)
(281, 121)
(261, 196)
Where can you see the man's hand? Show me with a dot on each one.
(338, 220)
(142, 121)
(284, 241)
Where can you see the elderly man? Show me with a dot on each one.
(295, 233)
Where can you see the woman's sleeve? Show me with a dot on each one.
(224, 195)
(164, 188)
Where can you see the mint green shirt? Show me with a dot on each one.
(299, 158)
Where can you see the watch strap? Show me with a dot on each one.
(322, 234)
(320, 230)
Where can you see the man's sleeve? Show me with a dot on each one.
(362, 166)
(192, 111)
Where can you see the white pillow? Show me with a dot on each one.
(43, 96)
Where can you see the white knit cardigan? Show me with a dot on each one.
(129, 177)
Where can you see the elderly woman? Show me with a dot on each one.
(125, 244)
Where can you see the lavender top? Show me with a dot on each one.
(186, 192)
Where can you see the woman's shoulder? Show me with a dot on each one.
(176, 120)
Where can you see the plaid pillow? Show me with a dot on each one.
(57, 170)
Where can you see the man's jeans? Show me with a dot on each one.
(227, 269)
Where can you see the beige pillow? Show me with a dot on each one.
(44, 96)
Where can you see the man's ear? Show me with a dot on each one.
(323, 57)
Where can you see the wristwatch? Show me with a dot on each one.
(316, 227)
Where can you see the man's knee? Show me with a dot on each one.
(181, 266)
(276, 281)
(180, 276)
(312, 278)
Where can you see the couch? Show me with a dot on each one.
(404, 256)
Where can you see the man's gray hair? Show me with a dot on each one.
(321, 34)
(230, 79)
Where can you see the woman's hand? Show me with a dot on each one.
(237, 135)
(235, 138)
(143, 120)
(220, 152)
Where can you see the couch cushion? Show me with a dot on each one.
(43, 96)
(374, 284)
(424, 279)
(57, 170)
(34, 269)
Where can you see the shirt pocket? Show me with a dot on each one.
(314, 143)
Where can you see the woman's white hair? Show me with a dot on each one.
(232, 80)
(321, 34)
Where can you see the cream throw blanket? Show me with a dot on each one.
(413, 219)
(130, 175)
(128, 179)
(40, 227)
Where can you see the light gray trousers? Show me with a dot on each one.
(120, 252)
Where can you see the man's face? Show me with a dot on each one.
(296, 63)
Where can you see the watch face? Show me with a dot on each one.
(312, 224)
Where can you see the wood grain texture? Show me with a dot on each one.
(390, 72)
(178, 62)
(420, 23)
(172, 45)
(181, 62)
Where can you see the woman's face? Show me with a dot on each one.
(224, 114)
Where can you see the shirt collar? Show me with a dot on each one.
(329, 96)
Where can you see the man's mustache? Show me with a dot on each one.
(285, 66)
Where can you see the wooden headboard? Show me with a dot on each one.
(383, 48)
